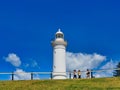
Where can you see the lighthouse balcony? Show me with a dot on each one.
(59, 42)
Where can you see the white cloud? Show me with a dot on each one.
(13, 59)
(36, 77)
(109, 65)
(20, 74)
(32, 64)
(83, 61)
(106, 73)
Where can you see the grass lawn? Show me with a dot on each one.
(76, 84)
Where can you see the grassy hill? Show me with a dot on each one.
(76, 84)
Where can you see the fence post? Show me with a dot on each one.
(69, 75)
(51, 75)
(91, 74)
(12, 76)
(31, 76)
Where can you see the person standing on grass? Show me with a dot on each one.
(74, 74)
(79, 74)
(88, 73)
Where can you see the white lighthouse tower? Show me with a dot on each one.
(59, 56)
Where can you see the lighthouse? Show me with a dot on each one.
(59, 56)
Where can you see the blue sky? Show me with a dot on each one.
(27, 28)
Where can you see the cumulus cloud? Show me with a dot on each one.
(106, 70)
(13, 59)
(21, 75)
(109, 65)
(83, 61)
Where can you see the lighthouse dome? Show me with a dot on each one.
(59, 34)
(59, 39)
(59, 31)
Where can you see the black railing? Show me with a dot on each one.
(49, 75)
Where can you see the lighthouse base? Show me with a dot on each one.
(59, 76)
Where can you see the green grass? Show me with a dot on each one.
(76, 84)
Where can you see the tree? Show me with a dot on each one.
(117, 72)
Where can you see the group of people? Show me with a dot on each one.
(77, 74)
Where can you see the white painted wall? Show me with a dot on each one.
(59, 62)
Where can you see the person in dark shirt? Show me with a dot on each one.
(88, 73)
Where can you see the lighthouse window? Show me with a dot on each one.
(59, 36)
